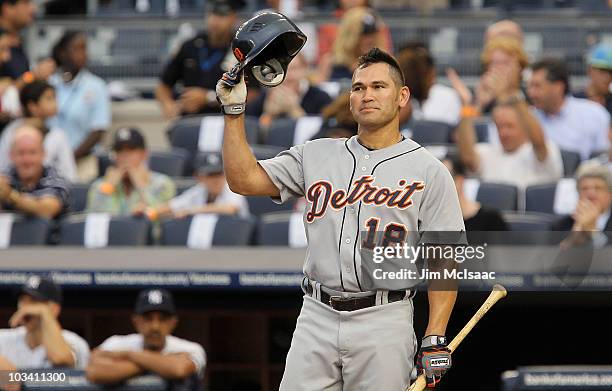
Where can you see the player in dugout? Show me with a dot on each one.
(152, 350)
(36, 338)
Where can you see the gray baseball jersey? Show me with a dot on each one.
(350, 189)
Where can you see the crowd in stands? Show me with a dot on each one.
(522, 125)
(37, 339)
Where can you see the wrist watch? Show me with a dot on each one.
(233, 109)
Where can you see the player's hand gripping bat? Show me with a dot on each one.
(497, 293)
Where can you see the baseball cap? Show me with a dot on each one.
(207, 163)
(600, 56)
(42, 288)
(155, 300)
(128, 138)
(226, 7)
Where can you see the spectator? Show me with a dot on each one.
(574, 124)
(327, 32)
(599, 88)
(338, 121)
(199, 63)
(429, 100)
(15, 16)
(359, 31)
(523, 157)
(36, 338)
(502, 57)
(9, 95)
(605, 158)
(504, 28)
(30, 187)
(39, 104)
(594, 184)
(294, 98)
(210, 195)
(83, 100)
(129, 187)
(153, 349)
(475, 216)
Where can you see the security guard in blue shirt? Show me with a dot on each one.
(199, 64)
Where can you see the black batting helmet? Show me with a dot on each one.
(265, 45)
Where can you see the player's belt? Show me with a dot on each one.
(347, 301)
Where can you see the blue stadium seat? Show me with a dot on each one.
(281, 132)
(261, 205)
(442, 151)
(171, 163)
(571, 160)
(183, 183)
(481, 125)
(29, 231)
(273, 229)
(185, 132)
(229, 231)
(498, 195)
(430, 132)
(540, 198)
(122, 231)
(263, 152)
(528, 227)
(78, 197)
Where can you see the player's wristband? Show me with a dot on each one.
(433, 341)
(233, 109)
(469, 112)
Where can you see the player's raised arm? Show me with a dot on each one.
(244, 175)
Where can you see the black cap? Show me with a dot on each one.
(128, 138)
(226, 7)
(42, 288)
(207, 163)
(370, 24)
(155, 300)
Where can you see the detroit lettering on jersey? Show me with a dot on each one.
(321, 195)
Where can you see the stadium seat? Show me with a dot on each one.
(183, 183)
(287, 132)
(481, 125)
(540, 198)
(544, 198)
(430, 132)
(228, 231)
(571, 160)
(498, 195)
(28, 231)
(528, 227)
(261, 205)
(277, 229)
(171, 163)
(263, 152)
(78, 197)
(185, 132)
(442, 151)
(122, 231)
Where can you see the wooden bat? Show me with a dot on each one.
(497, 293)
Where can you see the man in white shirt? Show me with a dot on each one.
(574, 124)
(210, 195)
(36, 339)
(153, 349)
(523, 156)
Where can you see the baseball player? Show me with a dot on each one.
(346, 337)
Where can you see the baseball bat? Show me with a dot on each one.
(497, 293)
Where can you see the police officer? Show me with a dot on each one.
(199, 63)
